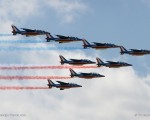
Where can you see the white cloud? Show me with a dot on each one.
(120, 95)
(16, 12)
(67, 10)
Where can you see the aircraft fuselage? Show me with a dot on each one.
(137, 53)
(80, 63)
(87, 76)
(66, 40)
(116, 66)
(102, 47)
(67, 87)
(28, 33)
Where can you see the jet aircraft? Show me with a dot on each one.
(135, 52)
(85, 75)
(62, 39)
(62, 85)
(111, 64)
(27, 32)
(75, 61)
(96, 45)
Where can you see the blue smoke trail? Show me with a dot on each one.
(20, 41)
(2, 34)
(2, 48)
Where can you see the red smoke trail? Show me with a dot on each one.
(42, 67)
(22, 88)
(32, 77)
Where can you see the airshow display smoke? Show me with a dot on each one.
(5, 34)
(32, 77)
(43, 67)
(59, 39)
(20, 41)
(22, 88)
(11, 48)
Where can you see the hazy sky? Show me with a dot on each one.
(123, 94)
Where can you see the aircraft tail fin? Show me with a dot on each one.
(85, 43)
(73, 73)
(15, 29)
(99, 61)
(122, 50)
(50, 83)
(63, 60)
(49, 37)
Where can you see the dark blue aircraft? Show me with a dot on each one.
(62, 85)
(27, 32)
(75, 61)
(62, 39)
(111, 64)
(135, 52)
(96, 45)
(85, 75)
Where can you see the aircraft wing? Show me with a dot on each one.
(96, 43)
(62, 37)
(62, 83)
(111, 62)
(86, 74)
(28, 30)
(136, 50)
(76, 60)
(74, 38)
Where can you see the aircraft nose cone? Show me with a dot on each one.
(78, 86)
(129, 64)
(102, 75)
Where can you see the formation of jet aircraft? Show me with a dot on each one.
(96, 45)
(85, 75)
(75, 61)
(65, 39)
(27, 32)
(111, 64)
(62, 85)
(62, 39)
(135, 52)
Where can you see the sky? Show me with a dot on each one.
(124, 93)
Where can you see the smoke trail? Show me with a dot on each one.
(4, 48)
(2, 34)
(22, 88)
(20, 41)
(43, 67)
(32, 77)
